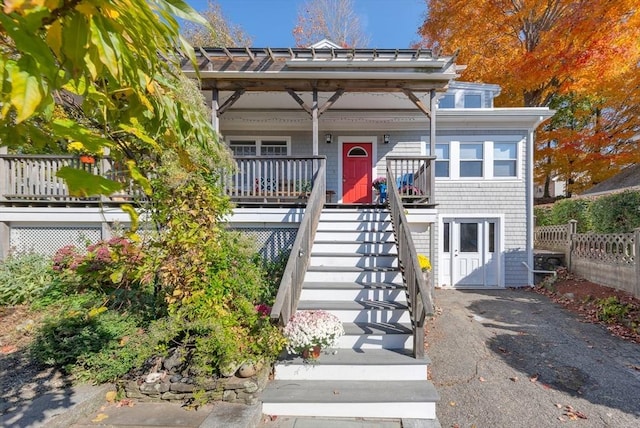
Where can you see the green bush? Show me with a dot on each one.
(23, 278)
(543, 216)
(572, 209)
(617, 213)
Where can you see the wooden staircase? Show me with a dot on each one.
(354, 274)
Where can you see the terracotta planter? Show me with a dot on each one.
(87, 159)
(311, 353)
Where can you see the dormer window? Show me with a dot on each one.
(472, 101)
(448, 101)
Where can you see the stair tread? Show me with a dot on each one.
(320, 254)
(363, 357)
(360, 391)
(351, 269)
(358, 328)
(357, 305)
(312, 285)
(353, 241)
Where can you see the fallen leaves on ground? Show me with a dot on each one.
(100, 417)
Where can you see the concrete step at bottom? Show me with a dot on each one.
(354, 364)
(331, 398)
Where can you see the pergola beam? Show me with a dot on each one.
(331, 101)
(230, 101)
(418, 102)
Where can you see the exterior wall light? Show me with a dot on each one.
(386, 138)
(328, 138)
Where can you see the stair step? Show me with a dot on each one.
(342, 274)
(376, 335)
(354, 364)
(354, 285)
(357, 292)
(355, 215)
(357, 260)
(362, 311)
(355, 235)
(354, 225)
(362, 247)
(373, 399)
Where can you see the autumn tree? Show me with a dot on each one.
(335, 20)
(219, 32)
(562, 50)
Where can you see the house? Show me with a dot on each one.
(311, 129)
(627, 179)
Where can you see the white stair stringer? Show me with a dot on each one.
(354, 274)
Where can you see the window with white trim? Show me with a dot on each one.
(475, 158)
(471, 159)
(505, 159)
(447, 101)
(267, 146)
(472, 101)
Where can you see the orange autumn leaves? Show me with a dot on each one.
(584, 50)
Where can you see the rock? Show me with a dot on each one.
(229, 369)
(250, 386)
(247, 369)
(174, 361)
(182, 387)
(154, 377)
(175, 378)
(569, 296)
(154, 388)
(229, 396)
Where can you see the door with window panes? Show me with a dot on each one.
(470, 256)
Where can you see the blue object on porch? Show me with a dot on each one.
(405, 180)
(383, 193)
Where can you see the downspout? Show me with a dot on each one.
(529, 193)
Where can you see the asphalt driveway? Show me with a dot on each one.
(513, 358)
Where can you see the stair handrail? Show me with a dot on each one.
(419, 289)
(286, 301)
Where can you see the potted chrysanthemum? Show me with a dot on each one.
(309, 331)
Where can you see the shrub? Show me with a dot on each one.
(571, 209)
(543, 216)
(617, 213)
(24, 278)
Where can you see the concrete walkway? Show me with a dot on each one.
(512, 358)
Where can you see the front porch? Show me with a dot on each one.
(31, 180)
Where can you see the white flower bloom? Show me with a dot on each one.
(307, 329)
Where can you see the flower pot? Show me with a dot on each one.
(312, 353)
(87, 159)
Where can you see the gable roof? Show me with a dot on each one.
(627, 179)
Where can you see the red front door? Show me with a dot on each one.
(356, 173)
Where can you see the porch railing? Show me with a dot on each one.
(419, 287)
(286, 301)
(412, 178)
(258, 178)
(33, 178)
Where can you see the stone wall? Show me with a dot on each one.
(160, 386)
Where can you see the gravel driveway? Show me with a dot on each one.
(512, 358)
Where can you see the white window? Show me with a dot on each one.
(448, 101)
(505, 159)
(266, 146)
(477, 158)
(472, 101)
(471, 159)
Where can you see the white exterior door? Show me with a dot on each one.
(470, 257)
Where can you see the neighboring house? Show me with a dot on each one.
(282, 110)
(557, 188)
(627, 179)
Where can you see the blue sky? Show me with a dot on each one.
(389, 23)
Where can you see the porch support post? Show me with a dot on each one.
(215, 120)
(4, 174)
(5, 239)
(314, 118)
(432, 143)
